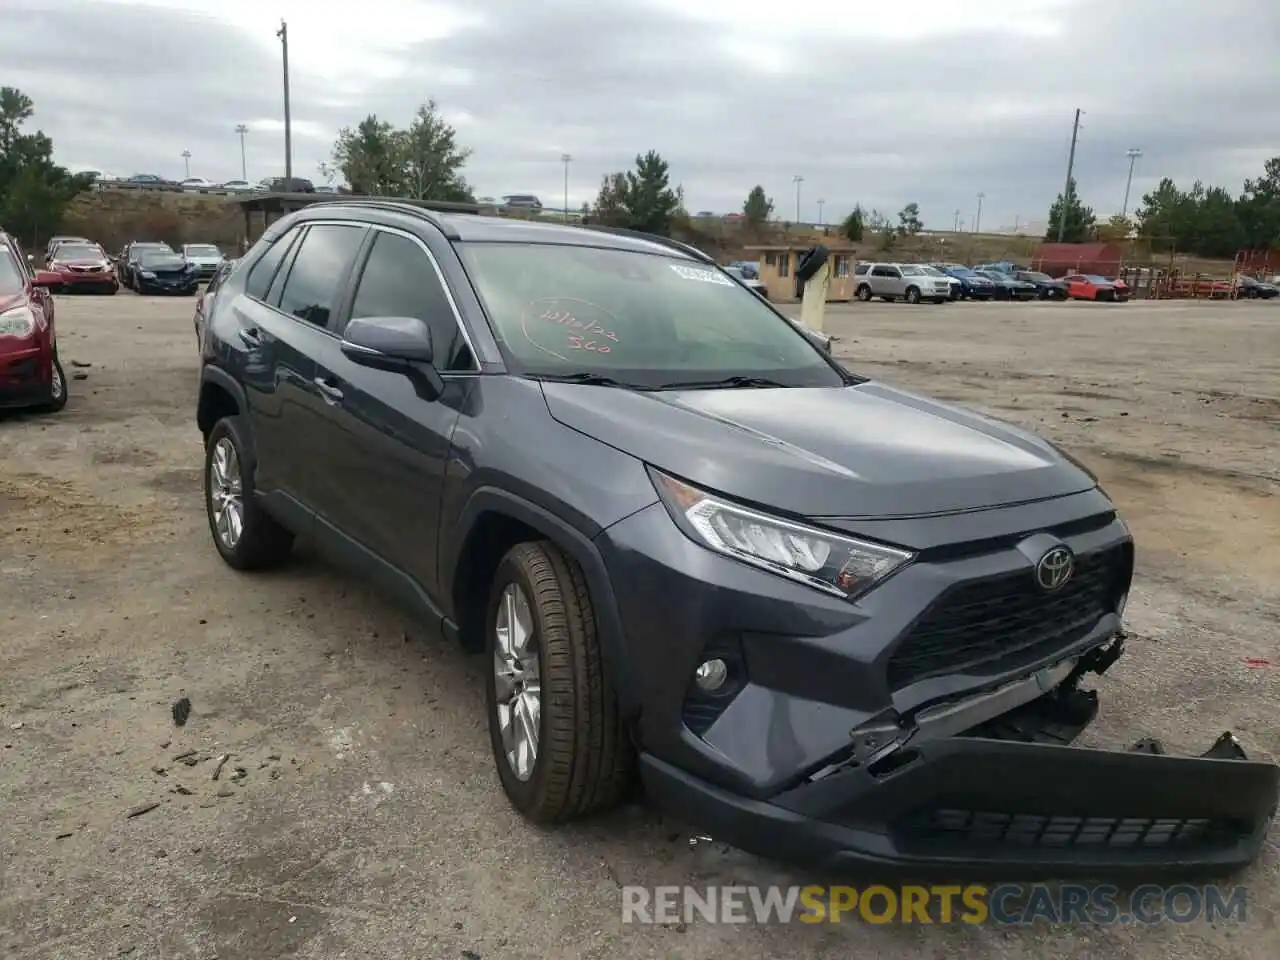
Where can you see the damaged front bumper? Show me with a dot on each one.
(1003, 797)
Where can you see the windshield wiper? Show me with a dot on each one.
(586, 378)
(727, 383)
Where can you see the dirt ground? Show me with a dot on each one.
(358, 814)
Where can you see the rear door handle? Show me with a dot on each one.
(250, 337)
(331, 393)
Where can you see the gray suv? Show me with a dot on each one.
(820, 617)
(899, 281)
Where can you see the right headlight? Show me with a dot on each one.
(18, 322)
(844, 566)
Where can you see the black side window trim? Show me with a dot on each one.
(289, 239)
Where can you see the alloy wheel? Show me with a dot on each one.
(517, 681)
(226, 499)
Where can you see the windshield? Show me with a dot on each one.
(1033, 275)
(202, 250)
(144, 249)
(1094, 278)
(910, 271)
(156, 256)
(78, 251)
(961, 272)
(643, 319)
(933, 271)
(11, 279)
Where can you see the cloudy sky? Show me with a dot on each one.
(874, 103)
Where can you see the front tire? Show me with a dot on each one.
(913, 295)
(58, 387)
(864, 293)
(246, 537)
(554, 725)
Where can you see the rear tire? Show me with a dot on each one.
(246, 537)
(582, 758)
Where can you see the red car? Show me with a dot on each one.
(1090, 286)
(82, 267)
(30, 372)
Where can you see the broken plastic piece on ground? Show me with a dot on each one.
(1148, 745)
(1226, 747)
(1256, 662)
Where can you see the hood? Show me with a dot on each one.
(204, 258)
(82, 262)
(862, 451)
(163, 263)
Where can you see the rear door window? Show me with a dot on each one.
(320, 267)
(258, 283)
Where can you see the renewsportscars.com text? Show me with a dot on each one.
(1005, 904)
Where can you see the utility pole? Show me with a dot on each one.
(820, 203)
(955, 228)
(565, 158)
(1133, 153)
(242, 129)
(977, 220)
(797, 180)
(283, 34)
(186, 163)
(1066, 191)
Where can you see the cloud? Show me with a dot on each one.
(880, 105)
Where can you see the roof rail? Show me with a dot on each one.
(426, 209)
(654, 238)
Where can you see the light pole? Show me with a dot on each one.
(977, 220)
(283, 34)
(797, 180)
(186, 163)
(242, 129)
(1133, 153)
(565, 159)
(955, 228)
(820, 203)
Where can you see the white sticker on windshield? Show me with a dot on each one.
(697, 273)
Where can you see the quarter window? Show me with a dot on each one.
(325, 255)
(264, 271)
(399, 280)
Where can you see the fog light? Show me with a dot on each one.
(711, 675)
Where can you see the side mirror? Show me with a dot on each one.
(43, 278)
(396, 345)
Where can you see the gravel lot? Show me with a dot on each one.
(359, 815)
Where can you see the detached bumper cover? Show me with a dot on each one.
(972, 808)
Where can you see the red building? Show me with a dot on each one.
(1059, 259)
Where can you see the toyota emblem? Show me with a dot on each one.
(1055, 569)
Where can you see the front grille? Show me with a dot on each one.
(1001, 622)
(972, 828)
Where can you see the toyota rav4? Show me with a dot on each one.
(822, 618)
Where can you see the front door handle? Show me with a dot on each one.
(330, 393)
(250, 337)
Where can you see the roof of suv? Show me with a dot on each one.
(480, 228)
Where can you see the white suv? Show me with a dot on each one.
(900, 281)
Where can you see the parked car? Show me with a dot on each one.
(956, 287)
(973, 286)
(1047, 288)
(126, 262)
(31, 375)
(204, 302)
(522, 201)
(811, 612)
(1008, 287)
(54, 241)
(750, 268)
(899, 281)
(292, 185)
(205, 257)
(238, 186)
(82, 267)
(1256, 289)
(754, 284)
(157, 271)
(148, 180)
(1086, 286)
(199, 183)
